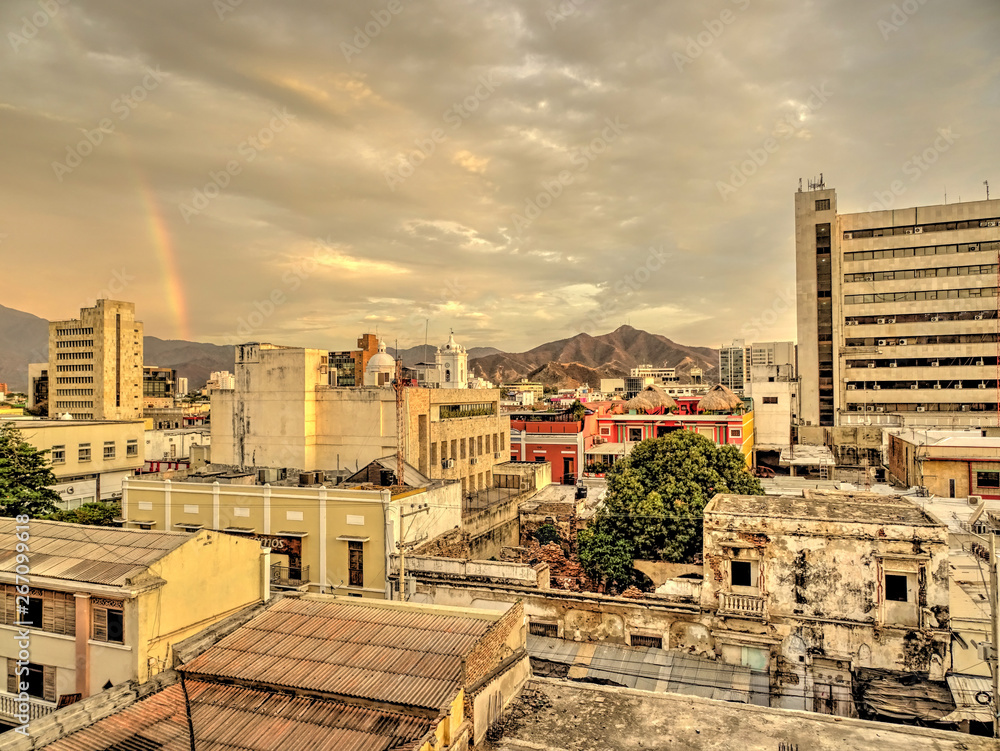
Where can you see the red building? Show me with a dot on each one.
(556, 438)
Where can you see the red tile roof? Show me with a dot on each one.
(234, 718)
(402, 657)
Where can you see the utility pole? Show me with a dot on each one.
(400, 423)
(994, 665)
(403, 545)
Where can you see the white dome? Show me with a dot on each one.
(380, 363)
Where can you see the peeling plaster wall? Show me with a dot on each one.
(822, 585)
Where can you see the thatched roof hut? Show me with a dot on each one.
(649, 400)
(720, 399)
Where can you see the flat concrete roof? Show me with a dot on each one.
(555, 715)
(820, 505)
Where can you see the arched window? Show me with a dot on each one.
(447, 375)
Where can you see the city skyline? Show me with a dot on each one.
(517, 172)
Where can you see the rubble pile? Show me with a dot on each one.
(563, 573)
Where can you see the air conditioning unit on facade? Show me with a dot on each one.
(851, 387)
(871, 365)
(496, 455)
(982, 385)
(979, 316)
(852, 323)
(908, 231)
(937, 385)
(451, 464)
(473, 460)
(935, 319)
(936, 364)
(966, 408)
(876, 387)
(869, 408)
(902, 342)
(893, 365)
(914, 386)
(921, 408)
(891, 320)
(918, 230)
(880, 409)
(957, 385)
(848, 235)
(990, 224)
(881, 342)
(880, 320)
(979, 362)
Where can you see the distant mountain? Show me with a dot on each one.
(24, 339)
(609, 356)
(425, 353)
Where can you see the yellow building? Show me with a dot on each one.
(948, 463)
(324, 539)
(106, 605)
(90, 458)
(95, 363)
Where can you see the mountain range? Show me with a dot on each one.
(566, 363)
(586, 359)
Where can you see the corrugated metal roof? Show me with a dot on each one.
(402, 657)
(651, 669)
(963, 690)
(234, 718)
(77, 552)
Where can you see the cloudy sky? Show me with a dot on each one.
(518, 170)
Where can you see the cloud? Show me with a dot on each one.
(443, 245)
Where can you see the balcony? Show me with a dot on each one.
(745, 606)
(289, 578)
(10, 709)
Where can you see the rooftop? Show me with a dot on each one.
(948, 438)
(404, 656)
(77, 552)
(824, 505)
(236, 718)
(554, 715)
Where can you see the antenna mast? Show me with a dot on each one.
(400, 422)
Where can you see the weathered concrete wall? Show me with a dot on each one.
(492, 528)
(660, 571)
(585, 617)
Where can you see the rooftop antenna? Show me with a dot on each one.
(987, 184)
(800, 185)
(946, 194)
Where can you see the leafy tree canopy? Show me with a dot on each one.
(578, 410)
(657, 494)
(99, 513)
(547, 533)
(25, 476)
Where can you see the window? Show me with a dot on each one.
(823, 204)
(58, 454)
(988, 479)
(635, 434)
(132, 448)
(109, 625)
(644, 640)
(536, 628)
(84, 452)
(109, 450)
(40, 680)
(895, 587)
(356, 563)
(741, 574)
(770, 400)
(605, 431)
(736, 433)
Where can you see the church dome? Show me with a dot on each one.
(379, 363)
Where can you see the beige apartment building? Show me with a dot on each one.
(107, 605)
(897, 311)
(95, 364)
(90, 458)
(283, 413)
(326, 539)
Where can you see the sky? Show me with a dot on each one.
(516, 170)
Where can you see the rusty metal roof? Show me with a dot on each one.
(78, 552)
(235, 718)
(403, 657)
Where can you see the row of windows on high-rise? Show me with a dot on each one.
(930, 273)
(916, 229)
(82, 368)
(74, 343)
(83, 453)
(85, 331)
(925, 250)
(920, 295)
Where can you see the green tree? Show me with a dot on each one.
(578, 410)
(606, 559)
(98, 513)
(657, 494)
(25, 476)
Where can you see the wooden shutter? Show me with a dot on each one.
(48, 683)
(49, 614)
(12, 676)
(9, 609)
(100, 624)
(70, 615)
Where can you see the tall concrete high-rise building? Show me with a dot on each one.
(897, 313)
(734, 366)
(95, 364)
